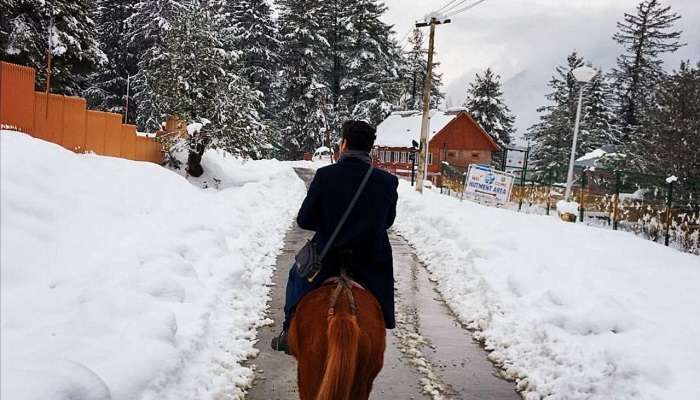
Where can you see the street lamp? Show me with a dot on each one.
(583, 75)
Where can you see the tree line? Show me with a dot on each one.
(647, 117)
(266, 81)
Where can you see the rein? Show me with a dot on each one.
(344, 284)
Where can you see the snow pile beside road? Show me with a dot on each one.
(569, 311)
(121, 280)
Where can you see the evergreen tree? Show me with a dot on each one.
(302, 120)
(645, 36)
(485, 104)
(109, 85)
(414, 71)
(551, 137)
(598, 118)
(148, 28)
(75, 51)
(373, 67)
(336, 25)
(670, 131)
(191, 79)
(250, 31)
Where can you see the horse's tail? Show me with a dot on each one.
(341, 359)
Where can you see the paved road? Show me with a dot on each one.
(429, 355)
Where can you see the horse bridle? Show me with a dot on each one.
(344, 284)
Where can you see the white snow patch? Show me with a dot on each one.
(569, 207)
(121, 280)
(569, 311)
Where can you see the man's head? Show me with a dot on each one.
(357, 135)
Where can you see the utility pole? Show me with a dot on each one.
(425, 122)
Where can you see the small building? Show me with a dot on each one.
(453, 138)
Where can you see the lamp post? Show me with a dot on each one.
(583, 75)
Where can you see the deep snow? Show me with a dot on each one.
(122, 280)
(570, 311)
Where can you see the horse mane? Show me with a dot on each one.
(341, 358)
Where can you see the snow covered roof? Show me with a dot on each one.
(401, 127)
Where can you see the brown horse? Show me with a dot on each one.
(338, 337)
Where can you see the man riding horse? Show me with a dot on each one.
(361, 247)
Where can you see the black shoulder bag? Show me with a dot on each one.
(307, 261)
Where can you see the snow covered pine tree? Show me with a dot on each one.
(485, 104)
(305, 96)
(645, 36)
(413, 72)
(24, 37)
(551, 137)
(669, 137)
(108, 89)
(252, 34)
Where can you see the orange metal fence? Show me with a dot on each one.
(66, 121)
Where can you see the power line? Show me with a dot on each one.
(445, 6)
(461, 10)
(453, 7)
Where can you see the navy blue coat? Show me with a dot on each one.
(364, 232)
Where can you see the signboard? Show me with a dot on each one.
(485, 181)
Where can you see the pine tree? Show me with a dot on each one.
(414, 71)
(598, 118)
(670, 131)
(336, 26)
(302, 120)
(148, 28)
(75, 50)
(250, 31)
(373, 68)
(109, 85)
(551, 137)
(645, 36)
(191, 79)
(485, 104)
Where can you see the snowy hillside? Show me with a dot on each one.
(121, 280)
(571, 311)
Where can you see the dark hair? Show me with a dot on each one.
(359, 135)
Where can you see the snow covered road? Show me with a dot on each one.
(122, 280)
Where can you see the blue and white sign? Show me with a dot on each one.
(485, 181)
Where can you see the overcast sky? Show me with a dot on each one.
(524, 40)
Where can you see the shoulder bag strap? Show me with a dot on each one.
(347, 212)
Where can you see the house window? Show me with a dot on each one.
(430, 158)
(395, 154)
(475, 155)
(451, 153)
(381, 155)
(404, 157)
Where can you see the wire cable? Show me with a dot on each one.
(461, 10)
(445, 6)
(453, 7)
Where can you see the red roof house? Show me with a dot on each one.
(454, 137)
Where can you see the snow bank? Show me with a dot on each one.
(121, 280)
(569, 311)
